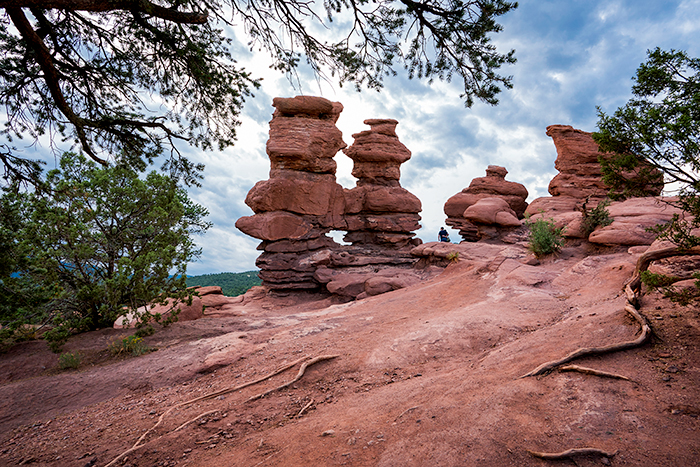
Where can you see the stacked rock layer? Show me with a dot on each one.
(579, 181)
(301, 201)
(487, 201)
(580, 174)
(378, 210)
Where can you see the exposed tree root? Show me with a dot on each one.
(139, 443)
(194, 419)
(305, 407)
(302, 369)
(407, 410)
(633, 292)
(588, 351)
(591, 371)
(571, 453)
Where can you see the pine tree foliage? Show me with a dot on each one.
(133, 77)
(660, 128)
(98, 244)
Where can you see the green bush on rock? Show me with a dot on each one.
(545, 237)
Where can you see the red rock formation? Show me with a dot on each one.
(378, 210)
(493, 185)
(632, 218)
(301, 201)
(579, 180)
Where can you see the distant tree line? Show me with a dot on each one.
(231, 283)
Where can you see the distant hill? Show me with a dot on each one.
(231, 283)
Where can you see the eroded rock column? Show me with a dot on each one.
(487, 201)
(301, 201)
(579, 181)
(378, 211)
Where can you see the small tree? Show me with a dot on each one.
(107, 240)
(545, 237)
(659, 128)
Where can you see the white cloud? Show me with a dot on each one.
(572, 56)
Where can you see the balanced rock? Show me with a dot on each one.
(303, 135)
(301, 201)
(493, 185)
(377, 153)
(378, 210)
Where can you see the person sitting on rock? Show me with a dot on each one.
(443, 236)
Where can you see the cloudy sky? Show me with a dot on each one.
(573, 55)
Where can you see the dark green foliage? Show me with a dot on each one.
(101, 243)
(653, 280)
(22, 300)
(132, 78)
(69, 361)
(89, 77)
(596, 217)
(664, 284)
(545, 237)
(659, 128)
(231, 283)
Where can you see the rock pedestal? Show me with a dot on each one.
(301, 201)
(489, 200)
(378, 210)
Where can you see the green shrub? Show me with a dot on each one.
(652, 280)
(599, 216)
(453, 256)
(133, 345)
(663, 284)
(97, 244)
(545, 237)
(69, 360)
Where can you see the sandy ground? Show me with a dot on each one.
(424, 376)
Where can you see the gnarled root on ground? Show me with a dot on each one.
(302, 370)
(571, 453)
(633, 292)
(139, 443)
(588, 351)
(592, 371)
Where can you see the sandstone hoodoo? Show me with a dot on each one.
(378, 210)
(580, 174)
(301, 201)
(579, 181)
(489, 200)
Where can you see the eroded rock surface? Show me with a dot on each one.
(579, 186)
(301, 203)
(489, 200)
(580, 174)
